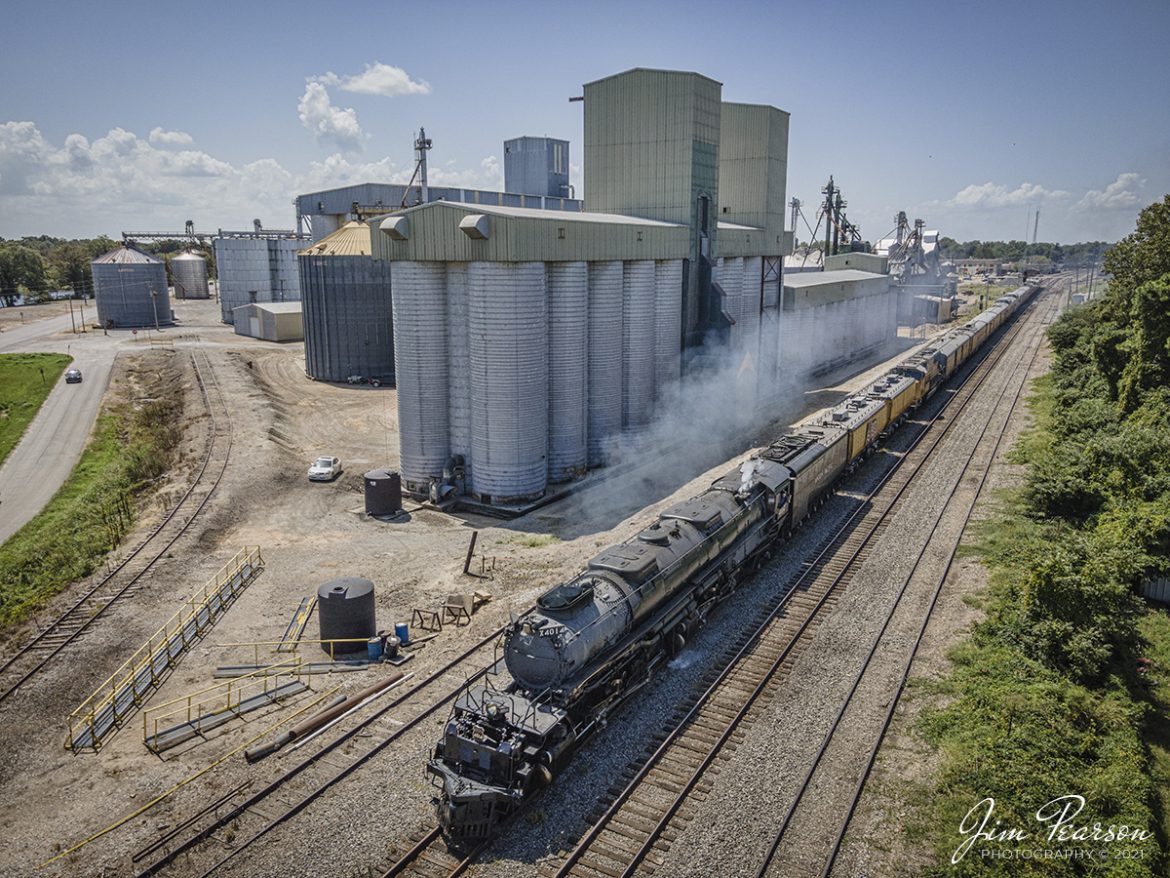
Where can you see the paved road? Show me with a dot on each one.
(51, 446)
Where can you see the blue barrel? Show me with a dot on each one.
(402, 632)
(374, 649)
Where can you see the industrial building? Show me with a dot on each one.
(257, 266)
(530, 343)
(269, 321)
(130, 288)
(537, 166)
(833, 317)
(348, 317)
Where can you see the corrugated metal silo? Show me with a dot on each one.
(753, 267)
(285, 272)
(131, 289)
(348, 314)
(189, 271)
(605, 360)
(668, 324)
(568, 306)
(459, 388)
(638, 348)
(244, 273)
(420, 364)
(508, 346)
(729, 275)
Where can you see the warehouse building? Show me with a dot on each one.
(269, 321)
(830, 318)
(348, 319)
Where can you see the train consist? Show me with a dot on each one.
(592, 642)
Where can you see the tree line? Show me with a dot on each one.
(32, 268)
(1059, 255)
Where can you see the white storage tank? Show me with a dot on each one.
(189, 272)
(568, 306)
(668, 324)
(605, 361)
(420, 366)
(638, 349)
(130, 288)
(508, 347)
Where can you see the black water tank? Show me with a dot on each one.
(383, 492)
(345, 608)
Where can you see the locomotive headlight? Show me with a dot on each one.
(492, 710)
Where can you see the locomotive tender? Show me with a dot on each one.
(592, 642)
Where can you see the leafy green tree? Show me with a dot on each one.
(22, 270)
(1144, 255)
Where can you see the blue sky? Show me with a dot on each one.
(967, 115)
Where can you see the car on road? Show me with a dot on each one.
(72, 376)
(325, 469)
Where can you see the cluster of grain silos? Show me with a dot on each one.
(259, 267)
(189, 272)
(348, 317)
(528, 372)
(130, 288)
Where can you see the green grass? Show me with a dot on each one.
(534, 541)
(95, 508)
(23, 390)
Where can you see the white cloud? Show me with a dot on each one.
(121, 181)
(994, 195)
(329, 124)
(381, 79)
(162, 137)
(1119, 194)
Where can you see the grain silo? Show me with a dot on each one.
(668, 326)
(131, 289)
(241, 265)
(508, 354)
(637, 345)
(568, 307)
(189, 271)
(348, 314)
(605, 360)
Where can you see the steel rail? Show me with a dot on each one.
(167, 519)
(599, 826)
(843, 826)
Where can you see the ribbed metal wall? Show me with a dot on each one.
(459, 387)
(348, 317)
(189, 271)
(568, 306)
(420, 364)
(749, 308)
(668, 324)
(286, 279)
(123, 293)
(243, 269)
(729, 274)
(605, 360)
(508, 345)
(637, 345)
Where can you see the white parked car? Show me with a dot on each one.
(325, 469)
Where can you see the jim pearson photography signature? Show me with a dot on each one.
(1057, 826)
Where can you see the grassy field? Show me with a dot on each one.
(93, 510)
(25, 381)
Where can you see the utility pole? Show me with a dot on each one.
(72, 322)
(154, 305)
(828, 190)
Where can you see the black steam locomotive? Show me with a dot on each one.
(592, 642)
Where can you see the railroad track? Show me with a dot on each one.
(120, 581)
(643, 813)
(427, 855)
(839, 766)
(248, 821)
